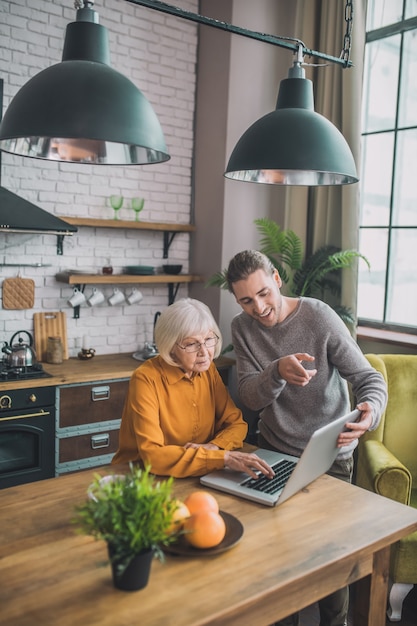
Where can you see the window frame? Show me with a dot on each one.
(398, 28)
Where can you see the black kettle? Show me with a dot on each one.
(19, 354)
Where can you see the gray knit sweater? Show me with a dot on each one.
(289, 413)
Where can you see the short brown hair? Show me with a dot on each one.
(245, 263)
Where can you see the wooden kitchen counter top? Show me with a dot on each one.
(101, 367)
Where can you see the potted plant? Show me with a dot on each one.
(133, 513)
(319, 274)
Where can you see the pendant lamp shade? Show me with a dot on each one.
(82, 110)
(293, 145)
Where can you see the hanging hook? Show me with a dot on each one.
(297, 71)
(300, 55)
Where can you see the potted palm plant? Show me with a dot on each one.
(133, 513)
(317, 276)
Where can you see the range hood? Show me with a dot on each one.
(20, 216)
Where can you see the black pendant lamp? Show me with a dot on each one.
(81, 110)
(293, 145)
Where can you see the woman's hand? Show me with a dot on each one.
(245, 462)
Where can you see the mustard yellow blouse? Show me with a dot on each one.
(164, 410)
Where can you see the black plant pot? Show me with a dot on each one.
(136, 574)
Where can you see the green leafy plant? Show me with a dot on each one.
(131, 512)
(318, 276)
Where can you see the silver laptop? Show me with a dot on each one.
(291, 473)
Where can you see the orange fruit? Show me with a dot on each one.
(180, 515)
(205, 529)
(199, 501)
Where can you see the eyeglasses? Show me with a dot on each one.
(210, 342)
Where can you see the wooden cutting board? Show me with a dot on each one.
(46, 325)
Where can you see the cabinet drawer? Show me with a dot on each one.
(89, 404)
(87, 446)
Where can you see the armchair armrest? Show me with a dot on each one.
(380, 471)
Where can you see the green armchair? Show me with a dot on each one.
(387, 464)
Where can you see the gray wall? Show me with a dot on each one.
(237, 83)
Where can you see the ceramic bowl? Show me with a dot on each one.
(172, 269)
(103, 481)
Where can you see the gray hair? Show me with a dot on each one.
(245, 263)
(185, 318)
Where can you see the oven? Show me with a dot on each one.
(27, 435)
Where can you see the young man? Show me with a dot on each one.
(294, 359)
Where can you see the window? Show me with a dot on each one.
(387, 294)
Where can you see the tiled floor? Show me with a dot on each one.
(310, 616)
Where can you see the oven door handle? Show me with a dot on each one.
(21, 417)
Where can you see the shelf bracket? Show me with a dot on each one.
(60, 244)
(168, 239)
(76, 315)
(172, 292)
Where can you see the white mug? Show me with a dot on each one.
(97, 297)
(117, 298)
(77, 298)
(135, 296)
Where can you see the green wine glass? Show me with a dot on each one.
(116, 203)
(137, 206)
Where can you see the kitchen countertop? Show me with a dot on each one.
(100, 367)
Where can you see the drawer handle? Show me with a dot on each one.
(100, 441)
(100, 393)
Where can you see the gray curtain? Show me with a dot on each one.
(332, 213)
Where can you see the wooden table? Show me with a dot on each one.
(327, 536)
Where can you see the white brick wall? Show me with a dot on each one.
(158, 53)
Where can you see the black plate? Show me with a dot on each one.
(234, 532)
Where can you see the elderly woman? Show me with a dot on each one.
(178, 415)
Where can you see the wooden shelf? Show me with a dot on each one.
(172, 280)
(99, 223)
(169, 230)
(125, 279)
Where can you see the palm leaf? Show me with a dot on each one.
(285, 277)
(330, 285)
(345, 314)
(308, 279)
(325, 260)
(217, 280)
(284, 244)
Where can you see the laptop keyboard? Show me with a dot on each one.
(283, 470)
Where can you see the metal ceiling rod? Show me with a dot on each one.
(276, 40)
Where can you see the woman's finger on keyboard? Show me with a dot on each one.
(247, 462)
